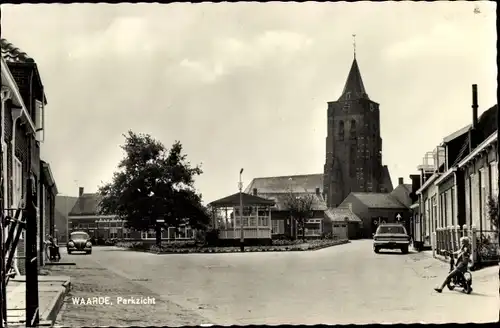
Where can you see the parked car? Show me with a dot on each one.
(391, 236)
(79, 241)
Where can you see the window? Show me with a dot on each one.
(467, 201)
(151, 234)
(341, 130)
(347, 106)
(17, 177)
(434, 213)
(494, 178)
(263, 221)
(126, 233)
(484, 197)
(353, 129)
(275, 227)
(39, 121)
(475, 201)
(171, 233)
(348, 95)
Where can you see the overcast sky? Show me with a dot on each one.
(247, 84)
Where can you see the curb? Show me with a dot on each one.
(50, 315)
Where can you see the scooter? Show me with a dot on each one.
(462, 280)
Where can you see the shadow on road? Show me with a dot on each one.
(395, 253)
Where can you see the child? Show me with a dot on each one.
(462, 262)
(55, 244)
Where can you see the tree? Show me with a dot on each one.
(152, 183)
(493, 211)
(300, 208)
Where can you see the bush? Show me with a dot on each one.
(212, 237)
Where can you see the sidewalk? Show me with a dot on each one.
(51, 293)
(481, 272)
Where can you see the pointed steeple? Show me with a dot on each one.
(354, 87)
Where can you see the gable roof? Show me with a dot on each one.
(280, 199)
(86, 204)
(378, 200)
(341, 214)
(64, 204)
(247, 199)
(354, 84)
(402, 194)
(456, 134)
(16, 57)
(283, 184)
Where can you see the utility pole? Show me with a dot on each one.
(242, 232)
(31, 259)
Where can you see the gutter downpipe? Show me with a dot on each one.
(16, 114)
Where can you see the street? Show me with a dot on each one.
(342, 284)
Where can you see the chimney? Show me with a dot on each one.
(255, 191)
(401, 181)
(318, 191)
(474, 106)
(80, 191)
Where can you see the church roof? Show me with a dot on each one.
(354, 85)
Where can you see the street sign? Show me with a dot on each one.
(398, 216)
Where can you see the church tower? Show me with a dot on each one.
(353, 144)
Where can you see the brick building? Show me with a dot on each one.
(85, 216)
(353, 144)
(22, 129)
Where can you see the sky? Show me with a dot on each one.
(246, 85)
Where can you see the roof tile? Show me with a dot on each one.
(86, 204)
(341, 214)
(12, 54)
(378, 200)
(284, 184)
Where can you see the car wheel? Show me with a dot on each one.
(450, 286)
(89, 252)
(69, 252)
(376, 249)
(404, 250)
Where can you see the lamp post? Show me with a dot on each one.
(242, 234)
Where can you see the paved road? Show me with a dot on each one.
(343, 284)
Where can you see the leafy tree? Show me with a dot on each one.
(152, 183)
(300, 208)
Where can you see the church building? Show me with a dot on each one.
(353, 144)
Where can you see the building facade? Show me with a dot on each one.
(454, 198)
(353, 144)
(85, 216)
(278, 189)
(22, 135)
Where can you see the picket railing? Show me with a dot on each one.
(484, 244)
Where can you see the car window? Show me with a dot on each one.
(391, 229)
(80, 235)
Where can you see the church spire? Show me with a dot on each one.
(354, 87)
(354, 44)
